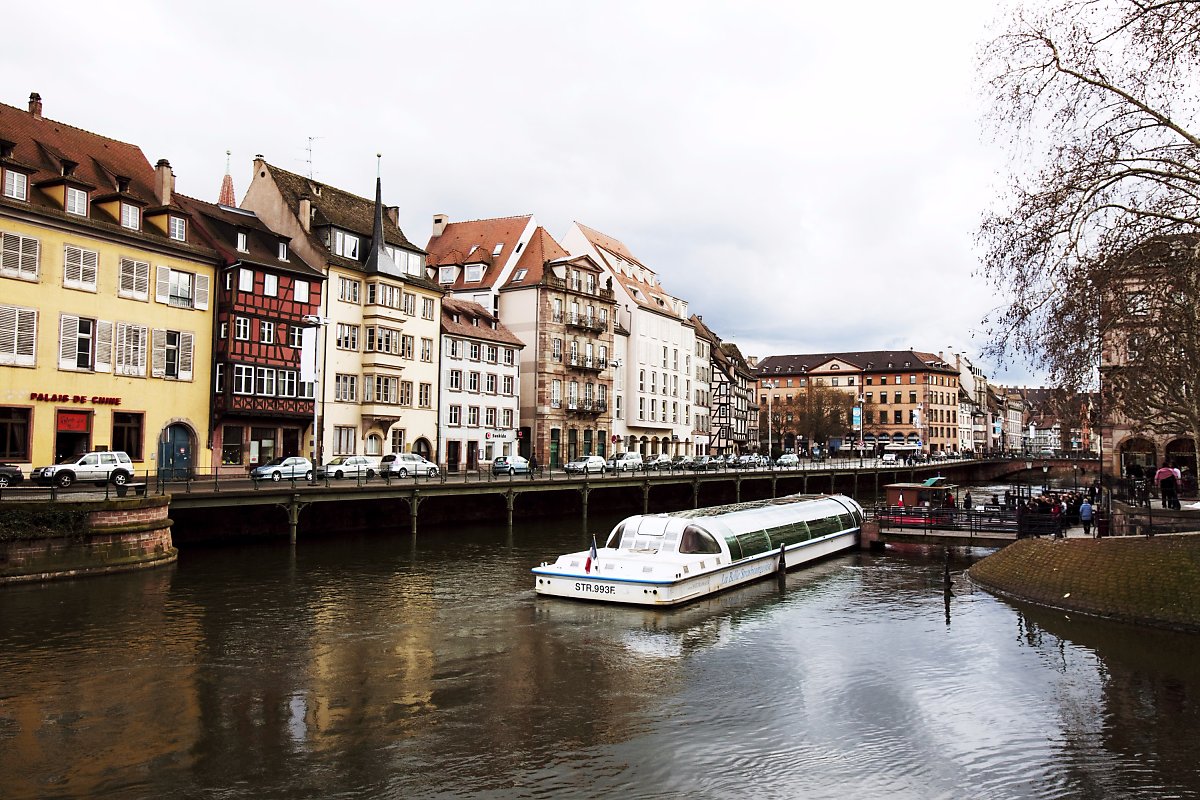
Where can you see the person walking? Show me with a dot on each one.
(967, 502)
(1168, 486)
(1086, 515)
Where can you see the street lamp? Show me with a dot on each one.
(315, 322)
(1045, 476)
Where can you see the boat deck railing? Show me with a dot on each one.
(982, 520)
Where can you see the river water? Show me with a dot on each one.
(359, 666)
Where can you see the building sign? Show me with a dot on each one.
(498, 436)
(74, 421)
(74, 398)
(857, 418)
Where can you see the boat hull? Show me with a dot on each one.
(553, 582)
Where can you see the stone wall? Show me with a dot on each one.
(1142, 580)
(43, 541)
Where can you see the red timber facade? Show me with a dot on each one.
(260, 407)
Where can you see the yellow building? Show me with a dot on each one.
(105, 325)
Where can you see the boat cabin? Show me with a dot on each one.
(931, 493)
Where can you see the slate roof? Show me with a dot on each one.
(468, 315)
(867, 360)
(219, 225)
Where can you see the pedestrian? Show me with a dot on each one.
(533, 465)
(967, 502)
(1085, 516)
(1056, 520)
(1168, 486)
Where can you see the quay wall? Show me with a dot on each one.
(41, 541)
(1143, 580)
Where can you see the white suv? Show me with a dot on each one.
(98, 467)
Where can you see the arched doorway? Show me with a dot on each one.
(422, 448)
(1139, 451)
(176, 451)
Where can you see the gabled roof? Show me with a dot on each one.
(542, 250)
(337, 207)
(474, 242)
(647, 294)
(219, 226)
(607, 242)
(475, 322)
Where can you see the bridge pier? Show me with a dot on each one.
(510, 498)
(646, 497)
(584, 491)
(293, 509)
(695, 492)
(414, 503)
(737, 488)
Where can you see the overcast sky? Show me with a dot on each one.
(808, 176)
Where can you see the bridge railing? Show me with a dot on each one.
(977, 521)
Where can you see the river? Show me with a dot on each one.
(367, 666)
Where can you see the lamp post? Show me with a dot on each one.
(769, 387)
(316, 322)
(1045, 476)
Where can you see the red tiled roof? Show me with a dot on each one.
(468, 314)
(44, 144)
(220, 225)
(542, 248)
(607, 242)
(474, 242)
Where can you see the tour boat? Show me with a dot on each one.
(667, 559)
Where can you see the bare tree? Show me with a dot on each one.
(818, 412)
(1097, 97)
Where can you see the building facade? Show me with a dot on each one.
(105, 317)
(379, 344)
(480, 404)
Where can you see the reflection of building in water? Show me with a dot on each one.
(48, 740)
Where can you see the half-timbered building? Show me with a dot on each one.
(260, 408)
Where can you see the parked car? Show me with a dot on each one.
(97, 467)
(704, 463)
(510, 465)
(788, 461)
(349, 467)
(627, 461)
(889, 458)
(404, 464)
(10, 474)
(661, 461)
(290, 467)
(751, 461)
(587, 465)
(681, 462)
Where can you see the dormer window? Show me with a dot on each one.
(177, 229)
(345, 245)
(131, 216)
(283, 251)
(474, 273)
(496, 250)
(16, 185)
(520, 274)
(446, 275)
(76, 201)
(243, 242)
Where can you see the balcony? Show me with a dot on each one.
(584, 322)
(587, 406)
(587, 363)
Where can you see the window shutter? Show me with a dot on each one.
(10, 253)
(72, 266)
(158, 353)
(68, 341)
(89, 267)
(141, 280)
(126, 279)
(162, 286)
(201, 292)
(185, 356)
(26, 336)
(104, 346)
(29, 256)
(139, 350)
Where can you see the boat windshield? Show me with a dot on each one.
(697, 540)
(614, 538)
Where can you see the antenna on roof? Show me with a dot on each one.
(311, 139)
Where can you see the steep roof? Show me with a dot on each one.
(475, 322)
(648, 294)
(337, 207)
(476, 242)
(220, 225)
(542, 250)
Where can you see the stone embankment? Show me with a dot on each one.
(42, 541)
(1145, 580)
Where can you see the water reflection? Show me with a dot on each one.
(360, 666)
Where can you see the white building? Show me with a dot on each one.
(656, 356)
(479, 403)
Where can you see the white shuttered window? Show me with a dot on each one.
(80, 268)
(134, 279)
(19, 257)
(18, 336)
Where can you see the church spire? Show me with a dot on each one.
(227, 198)
(378, 260)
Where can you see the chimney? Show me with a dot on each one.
(35, 105)
(439, 223)
(305, 213)
(164, 182)
(393, 213)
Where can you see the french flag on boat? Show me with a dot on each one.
(591, 559)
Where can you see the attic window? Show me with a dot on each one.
(496, 250)
(475, 321)
(835, 366)
(177, 228)
(520, 274)
(446, 275)
(474, 273)
(242, 242)
(283, 251)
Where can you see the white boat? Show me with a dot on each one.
(667, 559)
